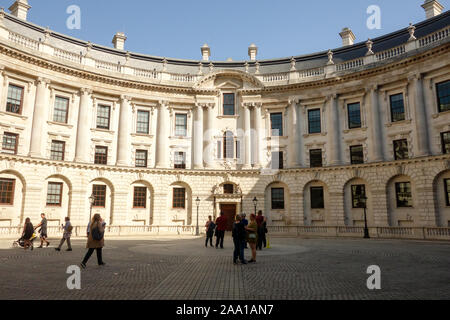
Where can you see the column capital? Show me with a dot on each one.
(125, 98)
(44, 81)
(293, 101)
(331, 96)
(205, 105)
(414, 77)
(163, 103)
(86, 91)
(371, 88)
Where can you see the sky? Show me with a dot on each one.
(178, 28)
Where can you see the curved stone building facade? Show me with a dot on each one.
(307, 136)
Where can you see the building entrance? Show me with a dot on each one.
(229, 211)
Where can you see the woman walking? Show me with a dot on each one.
(95, 240)
(27, 234)
(252, 236)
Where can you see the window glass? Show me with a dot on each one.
(397, 107)
(180, 160)
(314, 121)
(143, 118)
(447, 191)
(276, 120)
(317, 199)
(401, 149)
(315, 157)
(443, 93)
(60, 110)
(7, 191)
(103, 115)
(140, 197)
(358, 195)
(14, 99)
(354, 115)
(99, 192)
(141, 158)
(228, 145)
(57, 150)
(54, 194)
(228, 104)
(179, 198)
(181, 125)
(10, 141)
(404, 195)
(357, 154)
(101, 155)
(277, 198)
(445, 142)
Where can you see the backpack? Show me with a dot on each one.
(97, 235)
(211, 227)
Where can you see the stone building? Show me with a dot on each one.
(309, 136)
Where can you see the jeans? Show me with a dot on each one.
(219, 238)
(239, 246)
(209, 238)
(62, 242)
(261, 238)
(89, 254)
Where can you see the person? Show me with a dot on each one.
(261, 221)
(239, 240)
(27, 233)
(66, 235)
(245, 222)
(252, 236)
(210, 226)
(221, 224)
(43, 231)
(92, 244)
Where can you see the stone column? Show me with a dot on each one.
(39, 117)
(198, 137)
(162, 136)
(259, 136)
(123, 141)
(83, 128)
(376, 126)
(334, 131)
(247, 136)
(423, 148)
(293, 159)
(209, 137)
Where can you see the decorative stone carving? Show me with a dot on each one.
(369, 45)
(330, 58)
(411, 30)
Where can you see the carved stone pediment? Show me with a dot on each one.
(229, 79)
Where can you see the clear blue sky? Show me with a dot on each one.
(178, 28)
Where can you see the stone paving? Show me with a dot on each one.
(168, 269)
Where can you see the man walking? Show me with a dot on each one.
(221, 224)
(43, 231)
(66, 236)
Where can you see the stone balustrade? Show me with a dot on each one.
(391, 53)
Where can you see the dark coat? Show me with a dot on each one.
(95, 244)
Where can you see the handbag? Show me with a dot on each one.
(252, 236)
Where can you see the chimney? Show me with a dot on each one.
(20, 9)
(206, 52)
(119, 41)
(432, 8)
(252, 52)
(348, 38)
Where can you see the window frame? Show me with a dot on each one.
(136, 158)
(104, 189)
(282, 202)
(439, 98)
(12, 192)
(358, 198)
(176, 165)
(21, 98)
(392, 109)
(322, 206)
(105, 156)
(310, 111)
(311, 151)
(227, 187)
(396, 158)
(99, 106)
(140, 122)
(280, 160)
(185, 126)
(223, 104)
(447, 191)
(397, 192)
(352, 154)
(272, 129)
(63, 153)
(142, 199)
(226, 144)
(66, 111)
(176, 201)
(349, 116)
(444, 150)
(10, 134)
(59, 204)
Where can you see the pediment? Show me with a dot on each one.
(229, 79)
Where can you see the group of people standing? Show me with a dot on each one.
(244, 232)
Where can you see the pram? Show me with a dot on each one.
(21, 242)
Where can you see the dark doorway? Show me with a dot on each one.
(229, 211)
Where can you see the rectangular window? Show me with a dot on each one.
(140, 197)
(181, 125)
(277, 199)
(14, 100)
(317, 199)
(143, 120)
(358, 195)
(447, 191)
(228, 189)
(7, 191)
(238, 149)
(179, 198)
(10, 142)
(354, 115)
(99, 192)
(277, 160)
(357, 154)
(61, 110)
(443, 93)
(180, 160)
(54, 194)
(57, 150)
(141, 158)
(403, 194)
(401, 149)
(101, 155)
(276, 120)
(445, 138)
(315, 158)
(314, 122)
(228, 145)
(103, 117)
(397, 107)
(229, 104)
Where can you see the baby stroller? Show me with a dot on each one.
(21, 242)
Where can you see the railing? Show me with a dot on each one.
(183, 77)
(109, 66)
(151, 74)
(391, 53)
(350, 64)
(275, 77)
(311, 73)
(66, 55)
(23, 41)
(434, 37)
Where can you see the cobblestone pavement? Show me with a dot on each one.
(293, 269)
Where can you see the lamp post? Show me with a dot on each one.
(91, 202)
(197, 230)
(255, 204)
(366, 229)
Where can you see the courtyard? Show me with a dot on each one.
(170, 268)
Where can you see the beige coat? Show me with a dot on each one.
(95, 244)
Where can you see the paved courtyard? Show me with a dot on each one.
(168, 268)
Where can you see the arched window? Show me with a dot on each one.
(228, 145)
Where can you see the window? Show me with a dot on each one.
(443, 93)
(315, 158)
(140, 197)
(181, 125)
(228, 189)
(54, 194)
(101, 155)
(401, 149)
(61, 110)
(179, 198)
(397, 107)
(445, 137)
(317, 199)
(314, 124)
(276, 120)
(354, 115)
(228, 145)
(403, 193)
(447, 191)
(7, 191)
(99, 192)
(10, 141)
(358, 195)
(238, 149)
(277, 160)
(180, 160)
(229, 104)
(141, 158)
(15, 99)
(57, 150)
(357, 154)
(277, 199)
(143, 119)
(103, 117)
